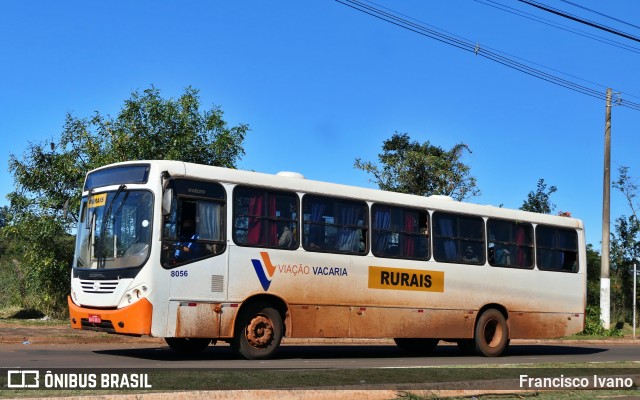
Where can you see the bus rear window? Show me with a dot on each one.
(117, 176)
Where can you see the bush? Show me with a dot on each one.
(35, 265)
(593, 324)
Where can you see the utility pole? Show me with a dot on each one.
(605, 282)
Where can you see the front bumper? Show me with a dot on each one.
(132, 320)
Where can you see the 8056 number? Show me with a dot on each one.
(179, 274)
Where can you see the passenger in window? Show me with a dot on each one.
(503, 256)
(470, 255)
(286, 238)
(492, 252)
(362, 247)
(187, 248)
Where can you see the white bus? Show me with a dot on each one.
(198, 254)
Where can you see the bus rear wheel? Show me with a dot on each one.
(420, 346)
(258, 332)
(187, 345)
(492, 333)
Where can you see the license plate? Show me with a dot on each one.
(95, 319)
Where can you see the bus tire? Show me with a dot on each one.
(258, 332)
(418, 346)
(187, 345)
(491, 334)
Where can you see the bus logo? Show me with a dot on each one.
(264, 270)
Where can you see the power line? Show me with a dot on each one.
(578, 19)
(395, 18)
(601, 14)
(547, 22)
(495, 50)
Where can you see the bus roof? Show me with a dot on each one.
(296, 182)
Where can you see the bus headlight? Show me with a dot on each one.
(134, 294)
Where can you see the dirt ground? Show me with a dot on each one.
(32, 333)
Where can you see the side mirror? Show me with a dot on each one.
(167, 197)
(65, 211)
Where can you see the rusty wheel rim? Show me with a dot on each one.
(260, 331)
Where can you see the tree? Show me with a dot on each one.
(147, 127)
(424, 169)
(593, 277)
(628, 188)
(51, 173)
(4, 220)
(539, 201)
(4, 216)
(625, 247)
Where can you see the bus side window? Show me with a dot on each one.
(400, 232)
(510, 243)
(557, 249)
(265, 218)
(334, 225)
(458, 238)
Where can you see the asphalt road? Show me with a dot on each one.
(152, 355)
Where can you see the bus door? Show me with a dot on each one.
(194, 258)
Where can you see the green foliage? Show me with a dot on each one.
(422, 169)
(625, 249)
(593, 277)
(4, 216)
(539, 201)
(593, 324)
(35, 266)
(37, 249)
(147, 127)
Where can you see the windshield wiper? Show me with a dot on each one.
(117, 213)
(101, 248)
(88, 222)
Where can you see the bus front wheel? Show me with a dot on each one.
(187, 345)
(492, 333)
(258, 332)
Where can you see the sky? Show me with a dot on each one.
(321, 84)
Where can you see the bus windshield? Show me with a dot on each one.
(114, 229)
